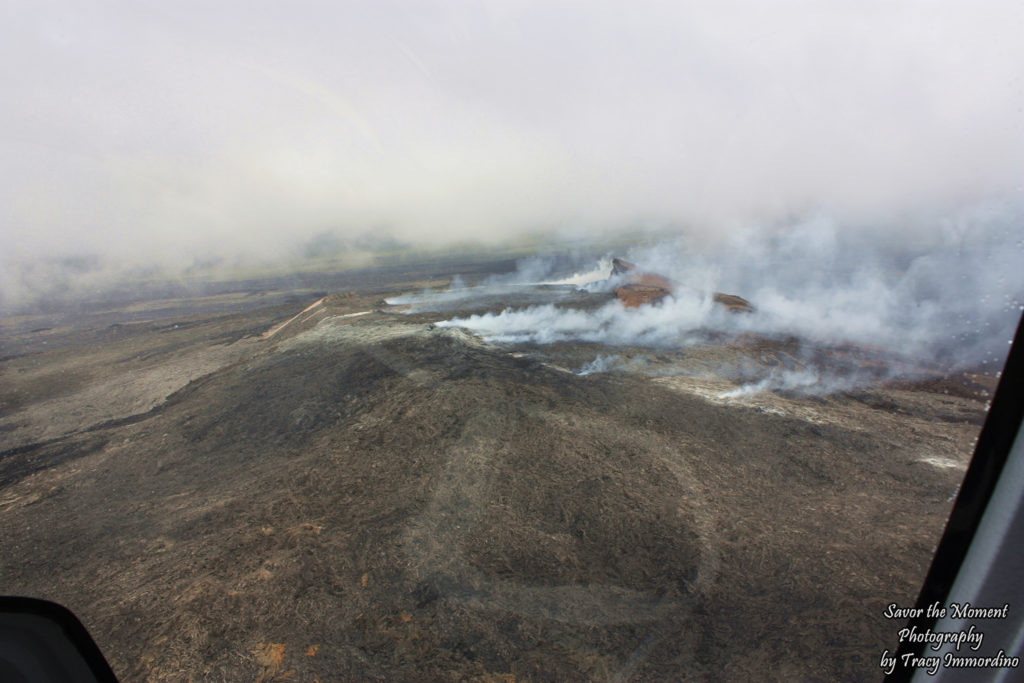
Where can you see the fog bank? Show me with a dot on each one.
(143, 136)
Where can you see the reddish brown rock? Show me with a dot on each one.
(734, 303)
(647, 288)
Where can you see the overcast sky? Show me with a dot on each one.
(148, 131)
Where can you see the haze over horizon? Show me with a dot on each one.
(145, 134)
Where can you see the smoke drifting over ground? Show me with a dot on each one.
(954, 296)
(141, 138)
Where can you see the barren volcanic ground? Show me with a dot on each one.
(354, 493)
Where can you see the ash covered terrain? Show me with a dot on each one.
(422, 479)
(533, 341)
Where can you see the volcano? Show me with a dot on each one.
(328, 489)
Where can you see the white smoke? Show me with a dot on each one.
(541, 273)
(948, 289)
(805, 381)
(584, 279)
(669, 323)
(601, 363)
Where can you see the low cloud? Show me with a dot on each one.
(158, 136)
